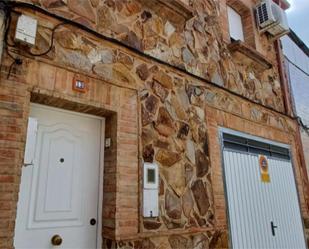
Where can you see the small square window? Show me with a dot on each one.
(235, 25)
(151, 176)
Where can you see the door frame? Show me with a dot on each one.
(224, 130)
(99, 240)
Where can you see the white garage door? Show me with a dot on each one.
(263, 213)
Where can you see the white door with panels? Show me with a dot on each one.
(263, 206)
(59, 193)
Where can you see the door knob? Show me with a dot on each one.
(56, 240)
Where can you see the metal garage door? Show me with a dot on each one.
(263, 211)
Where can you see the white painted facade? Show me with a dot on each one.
(299, 81)
(297, 66)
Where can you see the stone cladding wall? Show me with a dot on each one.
(154, 113)
(198, 45)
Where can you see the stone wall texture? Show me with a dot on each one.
(155, 112)
(198, 45)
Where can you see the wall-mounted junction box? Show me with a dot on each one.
(26, 29)
(150, 192)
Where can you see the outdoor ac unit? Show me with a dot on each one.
(271, 18)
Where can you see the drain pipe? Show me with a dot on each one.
(283, 79)
(2, 29)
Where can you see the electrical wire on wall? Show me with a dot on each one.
(6, 11)
(8, 7)
(51, 41)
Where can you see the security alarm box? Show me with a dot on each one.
(26, 29)
(151, 185)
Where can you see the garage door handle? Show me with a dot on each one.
(273, 227)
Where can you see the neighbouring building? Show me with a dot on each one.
(147, 124)
(297, 69)
(296, 64)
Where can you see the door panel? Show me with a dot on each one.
(247, 211)
(56, 199)
(59, 192)
(253, 205)
(287, 217)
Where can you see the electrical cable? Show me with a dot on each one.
(16, 61)
(51, 42)
(14, 4)
(7, 23)
(136, 51)
(301, 124)
(7, 26)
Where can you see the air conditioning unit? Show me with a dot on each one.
(271, 18)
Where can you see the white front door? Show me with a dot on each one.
(262, 214)
(59, 193)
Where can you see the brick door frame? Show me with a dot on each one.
(37, 102)
(111, 155)
(75, 106)
(120, 119)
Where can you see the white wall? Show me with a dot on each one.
(299, 81)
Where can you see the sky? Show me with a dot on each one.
(298, 17)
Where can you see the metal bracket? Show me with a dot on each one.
(28, 164)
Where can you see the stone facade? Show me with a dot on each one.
(158, 107)
(197, 45)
